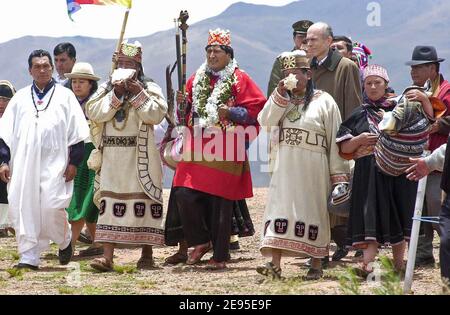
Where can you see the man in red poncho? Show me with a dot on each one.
(222, 105)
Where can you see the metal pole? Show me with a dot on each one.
(414, 235)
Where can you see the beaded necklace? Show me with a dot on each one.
(48, 103)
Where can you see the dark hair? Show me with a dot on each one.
(94, 86)
(65, 47)
(309, 91)
(227, 49)
(438, 66)
(348, 42)
(6, 91)
(39, 53)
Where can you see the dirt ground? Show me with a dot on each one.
(239, 278)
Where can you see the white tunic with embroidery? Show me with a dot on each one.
(296, 217)
(129, 184)
(37, 191)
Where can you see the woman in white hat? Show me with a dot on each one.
(83, 83)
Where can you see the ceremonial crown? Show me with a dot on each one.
(219, 37)
(131, 51)
(294, 60)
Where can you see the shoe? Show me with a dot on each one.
(176, 259)
(25, 266)
(4, 233)
(314, 274)
(235, 245)
(65, 255)
(425, 261)
(83, 238)
(340, 253)
(197, 254)
(91, 251)
(325, 262)
(359, 253)
(215, 265)
(102, 265)
(269, 270)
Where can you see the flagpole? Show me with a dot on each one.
(122, 33)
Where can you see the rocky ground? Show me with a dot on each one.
(239, 278)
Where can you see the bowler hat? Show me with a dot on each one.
(424, 54)
(301, 27)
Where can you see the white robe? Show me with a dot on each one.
(37, 191)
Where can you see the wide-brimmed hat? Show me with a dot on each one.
(82, 70)
(424, 54)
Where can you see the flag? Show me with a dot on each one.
(75, 5)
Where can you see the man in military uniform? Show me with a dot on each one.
(299, 36)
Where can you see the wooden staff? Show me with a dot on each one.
(122, 32)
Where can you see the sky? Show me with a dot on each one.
(20, 18)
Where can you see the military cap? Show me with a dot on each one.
(301, 27)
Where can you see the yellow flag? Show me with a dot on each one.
(125, 3)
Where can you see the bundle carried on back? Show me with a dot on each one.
(403, 135)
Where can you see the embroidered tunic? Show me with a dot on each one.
(307, 163)
(129, 184)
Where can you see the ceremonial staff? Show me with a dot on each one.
(181, 56)
(122, 33)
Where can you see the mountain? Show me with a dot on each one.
(259, 33)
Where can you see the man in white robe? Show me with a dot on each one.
(42, 129)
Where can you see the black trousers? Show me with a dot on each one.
(444, 251)
(205, 218)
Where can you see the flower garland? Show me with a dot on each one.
(205, 103)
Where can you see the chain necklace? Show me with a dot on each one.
(48, 103)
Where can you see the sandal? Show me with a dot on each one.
(176, 259)
(102, 265)
(145, 263)
(269, 270)
(197, 254)
(215, 265)
(91, 251)
(314, 274)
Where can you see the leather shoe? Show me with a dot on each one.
(340, 253)
(235, 245)
(65, 255)
(26, 266)
(425, 261)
